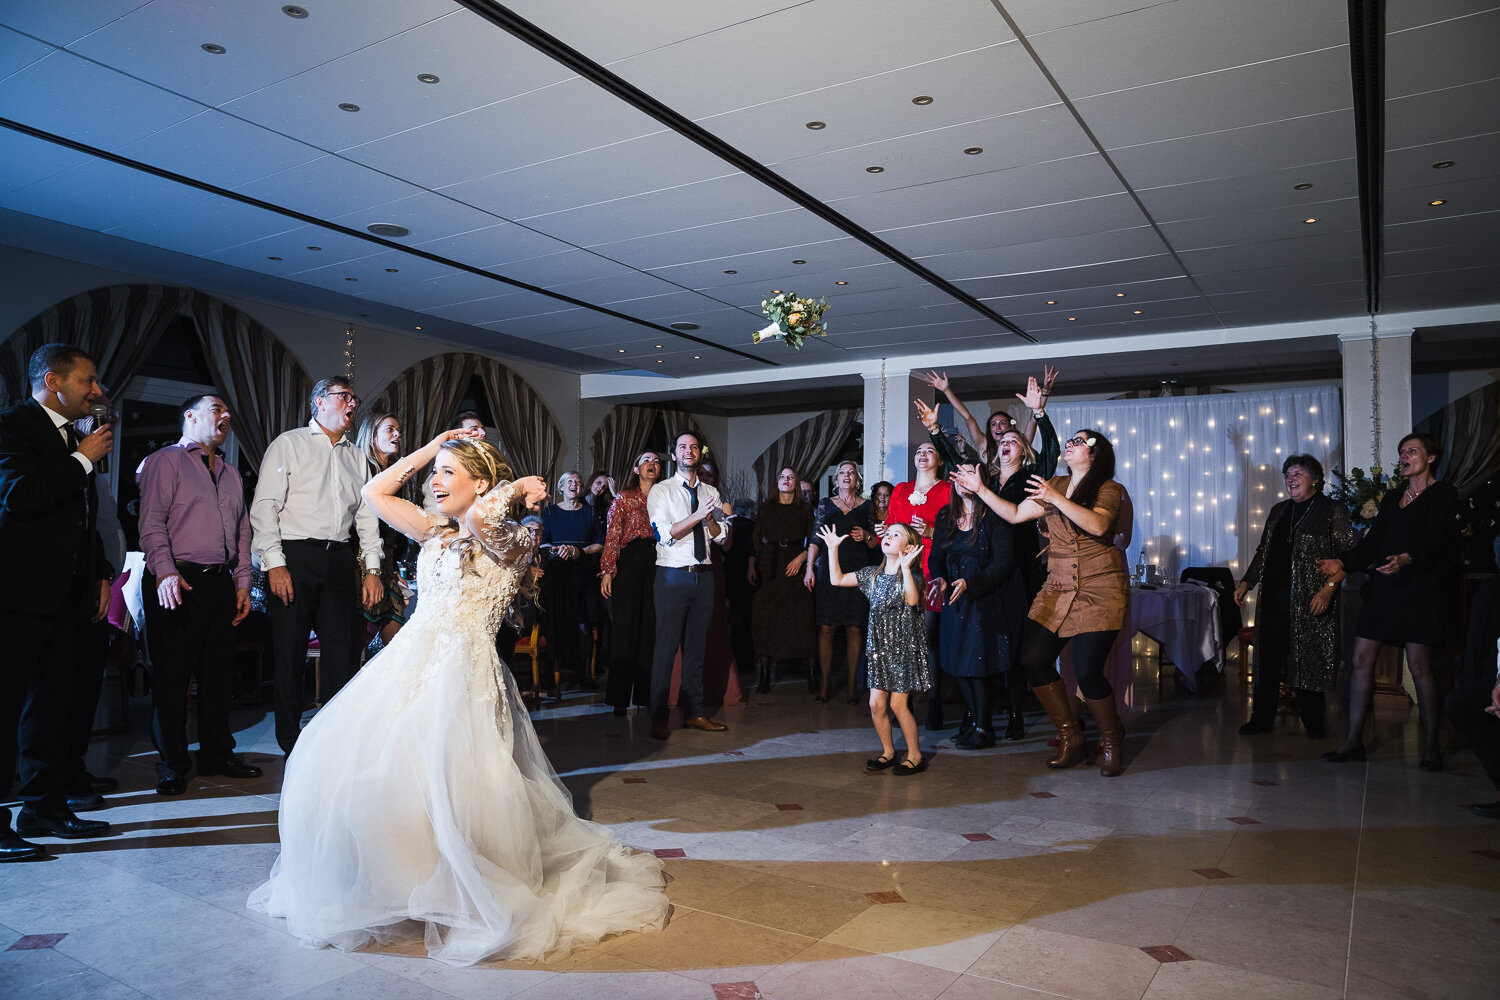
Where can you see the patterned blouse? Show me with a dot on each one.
(628, 521)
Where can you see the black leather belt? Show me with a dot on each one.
(699, 568)
(322, 543)
(191, 567)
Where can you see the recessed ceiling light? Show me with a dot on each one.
(841, 282)
(427, 77)
(1137, 312)
(1072, 319)
(620, 350)
(1052, 302)
(684, 326)
(1119, 295)
(1308, 222)
(346, 106)
(273, 258)
(731, 271)
(799, 262)
(351, 279)
(697, 357)
(390, 270)
(388, 229)
(291, 11)
(1439, 165)
(923, 100)
(1439, 201)
(658, 347)
(1301, 187)
(660, 361)
(815, 126)
(974, 150)
(416, 328)
(213, 49)
(874, 170)
(314, 248)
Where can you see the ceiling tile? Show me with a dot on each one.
(327, 188)
(61, 24)
(18, 51)
(88, 103)
(1443, 54)
(661, 212)
(24, 160)
(1434, 117)
(1237, 152)
(219, 149)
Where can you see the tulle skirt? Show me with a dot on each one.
(420, 796)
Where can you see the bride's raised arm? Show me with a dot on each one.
(403, 515)
(490, 518)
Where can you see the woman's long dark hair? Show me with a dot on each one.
(1101, 472)
(955, 510)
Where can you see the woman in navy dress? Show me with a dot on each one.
(836, 608)
(570, 546)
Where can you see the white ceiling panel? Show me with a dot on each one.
(1021, 226)
(1437, 116)
(161, 41)
(1463, 230)
(1118, 273)
(426, 214)
(1469, 286)
(1472, 197)
(673, 210)
(738, 66)
(1137, 294)
(794, 235)
(1251, 227)
(1095, 315)
(18, 51)
(1254, 192)
(968, 90)
(998, 191)
(80, 100)
(1442, 54)
(495, 246)
(71, 196)
(1412, 166)
(328, 187)
(205, 224)
(650, 163)
(291, 248)
(1403, 14)
(1293, 87)
(1264, 279)
(1046, 255)
(1237, 152)
(1208, 36)
(1293, 250)
(24, 160)
(620, 28)
(1036, 16)
(558, 120)
(219, 149)
(63, 23)
(568, 266)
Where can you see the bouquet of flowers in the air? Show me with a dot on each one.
(1362, 494)
(792, 319)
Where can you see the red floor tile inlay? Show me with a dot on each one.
(1167, 953)
(1212, 873)
(1041, 795)
(35, 942)
(885, 897)
(787, 807)
(975, 838)
(736, 991)
(670, 852)
(1242, 820)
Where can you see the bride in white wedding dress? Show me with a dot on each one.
(420, 795)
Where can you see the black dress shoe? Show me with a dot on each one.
(13, 848)
(57, 823)
(172, 784)
(1489, 810)
(660, 731)
(86, 803)
(1255, 727)
(232, 767)
(1342, 756)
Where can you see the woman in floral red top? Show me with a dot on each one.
(627, 574)
(917, 503)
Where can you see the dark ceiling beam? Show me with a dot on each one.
(360, 234)
(1367, 72)
(559, 51)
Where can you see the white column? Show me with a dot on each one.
(1375, 418)
(892, 430)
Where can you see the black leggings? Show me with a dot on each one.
(1040, 647)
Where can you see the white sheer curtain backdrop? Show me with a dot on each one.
(1204, 470)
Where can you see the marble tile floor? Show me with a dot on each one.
(1216, 866)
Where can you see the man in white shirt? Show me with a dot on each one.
(306, 500)
(686, 516)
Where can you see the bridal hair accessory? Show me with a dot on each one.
(793, 319)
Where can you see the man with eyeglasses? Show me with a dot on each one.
(306, 502)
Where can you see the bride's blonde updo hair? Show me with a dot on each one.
(480, 459)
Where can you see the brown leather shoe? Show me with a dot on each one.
(659, 731)
(704, 723)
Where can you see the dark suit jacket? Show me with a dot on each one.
(44, 520)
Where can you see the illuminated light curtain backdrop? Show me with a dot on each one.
(1203, 471)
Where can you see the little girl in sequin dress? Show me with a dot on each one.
(895, 642)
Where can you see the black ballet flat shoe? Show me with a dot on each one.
(1341, 756)
(1255, 728)
(1432, 763)
(906, 767)
(880, 763)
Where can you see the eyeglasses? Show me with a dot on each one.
(1077, 442)
(349, 397)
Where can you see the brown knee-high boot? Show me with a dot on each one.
(1054, 699)
(1111, 736)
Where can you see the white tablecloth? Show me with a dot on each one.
(1184, 620)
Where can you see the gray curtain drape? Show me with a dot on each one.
(809, 447)
(1471, 448)
(623, 434)
(530, 436)
(426, 397)
(118, 326)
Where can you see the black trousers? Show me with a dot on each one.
(1465, 709)
(684, 609)
(633, 606)
(325, 596)
(1040, 647)
(194, 639)
(52, 672)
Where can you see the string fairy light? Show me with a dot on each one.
(349, 353)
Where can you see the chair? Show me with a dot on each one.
(531, 644)
(1221, 580)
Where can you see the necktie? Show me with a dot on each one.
(71, 433)
(700, 543)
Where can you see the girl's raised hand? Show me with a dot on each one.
(908, 557)
(830, 537)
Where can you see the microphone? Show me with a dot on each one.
(99, 415)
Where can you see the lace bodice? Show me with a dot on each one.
(469, 584)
